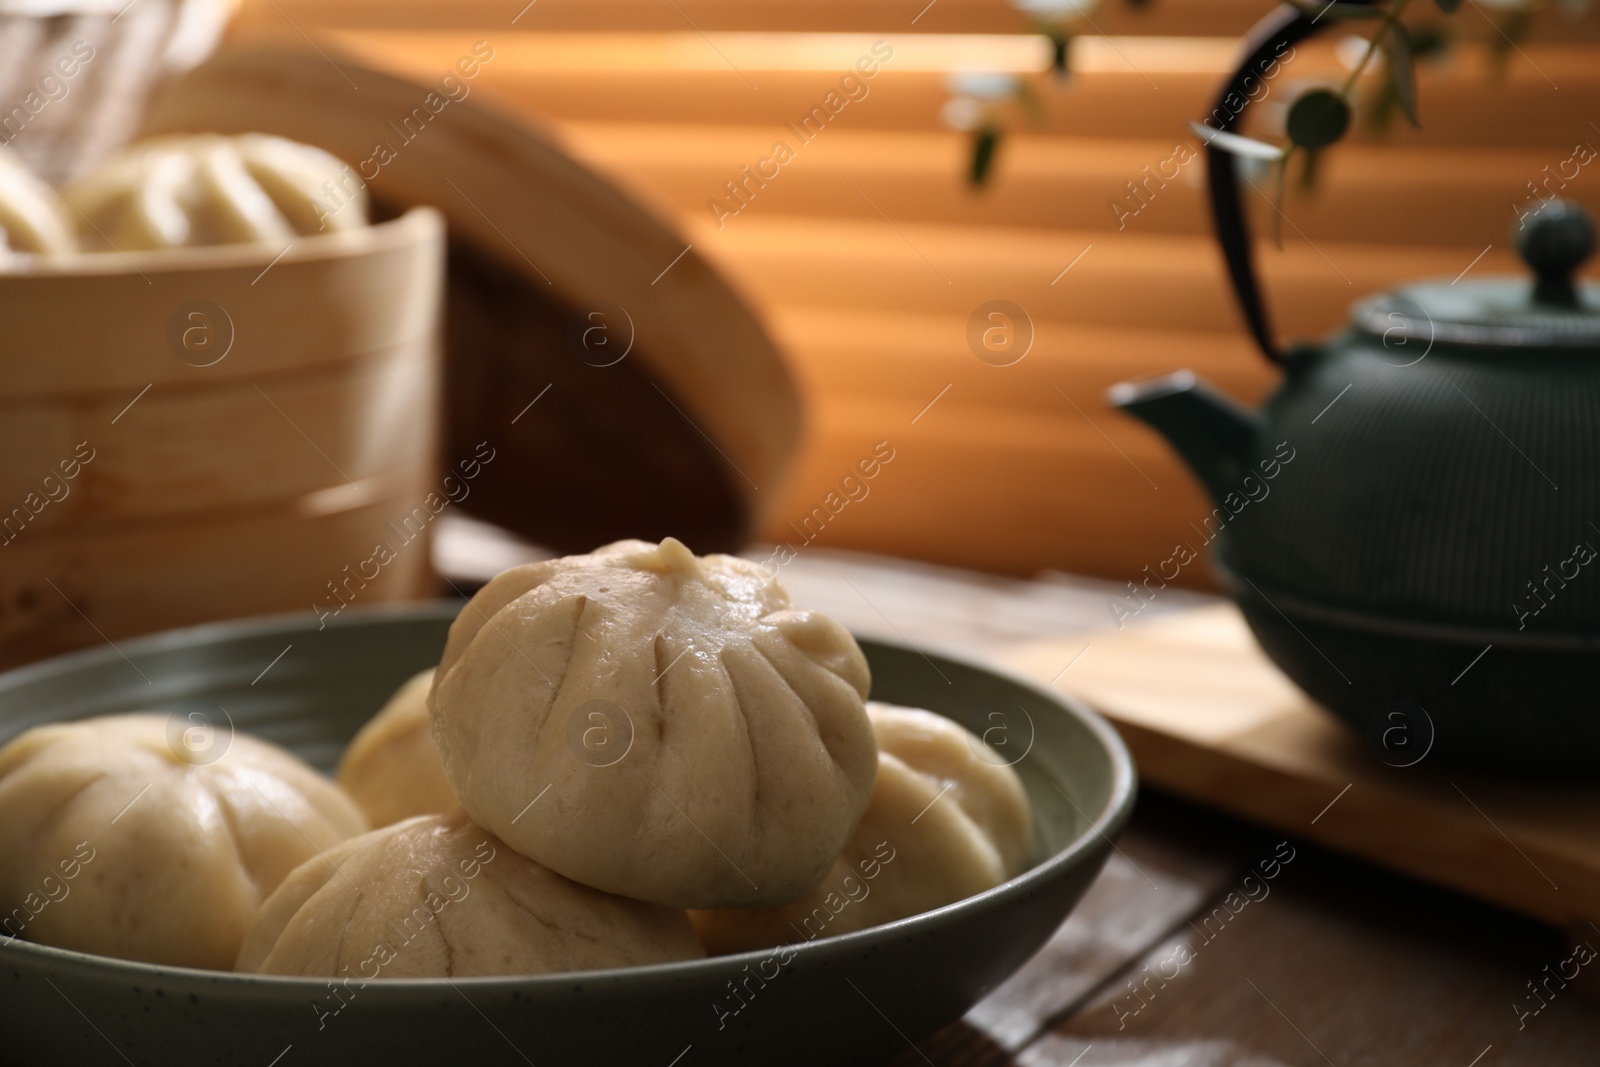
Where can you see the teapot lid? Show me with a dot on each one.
(1551, 311)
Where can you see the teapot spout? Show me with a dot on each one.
(1215, 435)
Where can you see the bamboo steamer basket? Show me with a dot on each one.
(87, 586)
(257, 417)
(162, 462)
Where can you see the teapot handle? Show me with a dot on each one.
(1285, 27)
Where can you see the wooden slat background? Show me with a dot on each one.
(868, 253)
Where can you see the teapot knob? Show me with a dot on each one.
(1555, 242)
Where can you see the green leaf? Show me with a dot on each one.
(1060, 51)
(1380, 109)
(1318, 118)
(1232, 143)
(1032, 104)
(1513, 28)
(1429, 40)
(985, 143)
(1279, 198)
(1448, 6)
(1309, 171)
(1402, 72)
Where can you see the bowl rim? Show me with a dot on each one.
(1103, 826)
(417, 223)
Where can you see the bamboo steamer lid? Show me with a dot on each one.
(631, 390)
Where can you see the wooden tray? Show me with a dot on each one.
(1208, 717)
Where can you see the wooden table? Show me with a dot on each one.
(1183, 953)
(1333, 962)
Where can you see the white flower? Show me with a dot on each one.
(1353, 48)
(984, 85)
(1252, 170)
(962, 113)
(1056, 10)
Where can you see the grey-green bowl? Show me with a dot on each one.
(856, 998)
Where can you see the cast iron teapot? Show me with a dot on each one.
(1411, 525)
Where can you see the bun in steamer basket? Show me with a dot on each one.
(658, 725)
(32, 215)
(207, 189)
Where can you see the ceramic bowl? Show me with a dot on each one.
(855, 998)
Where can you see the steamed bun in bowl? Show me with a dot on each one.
(948, 819)
(118, 838)
(657, 725)
(436, 896)
(391, 768)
